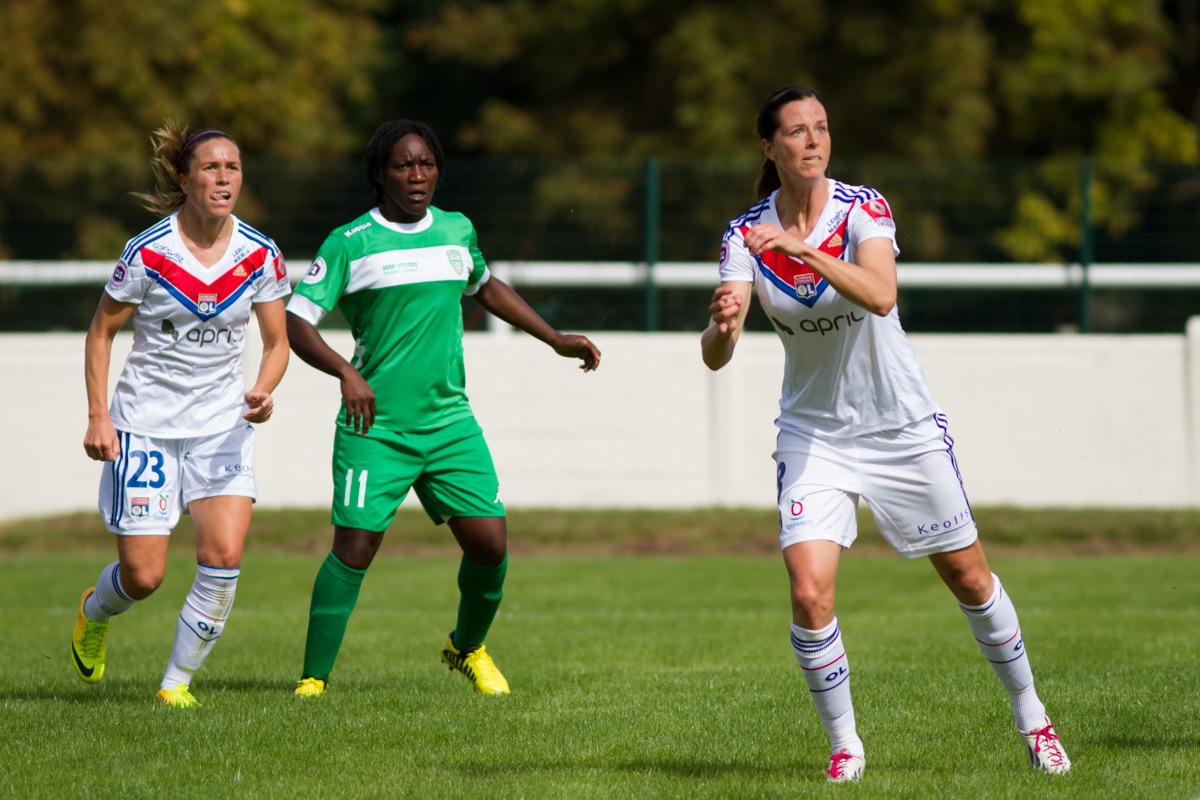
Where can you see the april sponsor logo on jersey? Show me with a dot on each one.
(948, 525)
(821, 325)
(202, 335)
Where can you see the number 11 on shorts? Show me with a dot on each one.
(362, 487)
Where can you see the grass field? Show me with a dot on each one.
(633, 675)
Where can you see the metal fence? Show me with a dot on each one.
(632, 244)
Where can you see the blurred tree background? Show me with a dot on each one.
(977, 118)
(1052, 80)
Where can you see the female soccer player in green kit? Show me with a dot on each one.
(397, 273)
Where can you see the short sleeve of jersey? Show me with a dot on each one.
(273, 284)
(872, 219)
(479, 269)
(128, 282)
(736, 263)
(325, 282)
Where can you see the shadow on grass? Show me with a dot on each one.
(138, 690)
(116, 690)
(701, 768)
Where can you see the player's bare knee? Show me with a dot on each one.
(224, 558)
(971, 586)
(812, 604)
(486, 551)
(139, 581)
(356, 548)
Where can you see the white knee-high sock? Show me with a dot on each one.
(998, 632)
(200, 622)
(822, 659)
(109, 599)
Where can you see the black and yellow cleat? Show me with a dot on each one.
(477, 666)
(87, 644)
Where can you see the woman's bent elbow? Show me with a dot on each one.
(883, 305)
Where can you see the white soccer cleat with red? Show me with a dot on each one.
(845, 766)
(1046, 752)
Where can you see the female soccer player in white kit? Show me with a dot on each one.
(856, 417)
(177, 436)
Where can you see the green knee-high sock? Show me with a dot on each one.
(481, 589)
(335, 591)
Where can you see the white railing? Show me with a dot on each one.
(703, 274)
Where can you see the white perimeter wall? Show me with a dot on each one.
(1055, 420)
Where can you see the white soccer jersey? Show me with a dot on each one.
(847, 370)
(183, 377)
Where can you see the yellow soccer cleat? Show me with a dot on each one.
(179, 697)
(311, 687)
(477, 665)
(87, 644)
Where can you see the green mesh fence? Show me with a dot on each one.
(965, 212)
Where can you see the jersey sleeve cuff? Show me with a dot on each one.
(472, 288)
(306, 309)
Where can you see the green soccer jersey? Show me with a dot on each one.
(400, 288)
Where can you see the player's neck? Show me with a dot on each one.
(206, 237)
(799, 204)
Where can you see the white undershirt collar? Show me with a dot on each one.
(404, 227)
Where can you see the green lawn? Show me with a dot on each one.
(632, 676)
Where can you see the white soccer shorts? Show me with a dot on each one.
(144, 491)
(908, 477)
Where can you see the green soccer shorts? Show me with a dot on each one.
(450, 468)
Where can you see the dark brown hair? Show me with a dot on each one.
(174, 152)
(768, 123)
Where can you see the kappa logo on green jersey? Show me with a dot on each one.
(455, 261)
